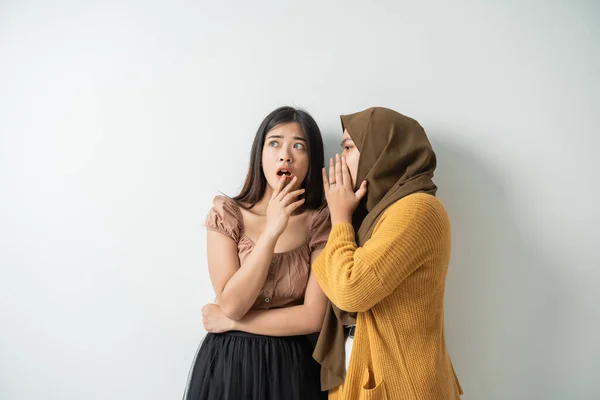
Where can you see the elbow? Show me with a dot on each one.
(308, 327)
(314, 326)
(314, 319)
(351, 300)
(352, 305)
(358, 292)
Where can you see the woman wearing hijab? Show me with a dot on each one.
(384, 266)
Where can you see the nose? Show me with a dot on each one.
(285, 156)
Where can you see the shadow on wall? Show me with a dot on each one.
(504, 308)
(331, 142)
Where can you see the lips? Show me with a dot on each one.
(283, 172)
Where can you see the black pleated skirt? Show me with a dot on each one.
(242, 366)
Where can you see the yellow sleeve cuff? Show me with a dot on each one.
(342, 231)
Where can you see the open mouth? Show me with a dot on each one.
(281, 172)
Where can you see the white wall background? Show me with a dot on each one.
(120, 121)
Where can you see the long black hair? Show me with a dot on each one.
(256, 184)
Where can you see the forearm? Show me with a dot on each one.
(346, 278)
(289, 321)
(406, 237)
(244, 286)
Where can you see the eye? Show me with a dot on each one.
(347, 147)
(273, 143)
(299, 146)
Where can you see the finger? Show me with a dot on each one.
(325, 181)
(331, 171)
(292, 207)
(362, 190)
(279, 187)
(325, 177)
(287, 188)
(346, 174)
(291, 196)
(339, 179)
(288, 185)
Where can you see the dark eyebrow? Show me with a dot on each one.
(281, 137)
(346, 140)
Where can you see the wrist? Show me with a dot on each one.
(270, 235)
(340, 219)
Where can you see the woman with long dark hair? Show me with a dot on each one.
(261, 244)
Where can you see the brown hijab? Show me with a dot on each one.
(396, 159)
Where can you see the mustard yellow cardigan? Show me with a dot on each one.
(395, 283)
